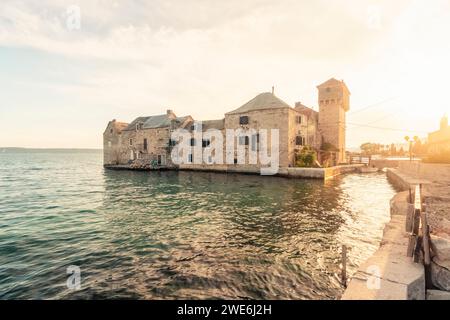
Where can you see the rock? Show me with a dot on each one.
(438, 295)
(440, 276)
(441, 250)
(399, 203)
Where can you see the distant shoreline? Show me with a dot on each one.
(24, 150)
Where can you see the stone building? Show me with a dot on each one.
(148, 139)
(334, 102)
(439, 141)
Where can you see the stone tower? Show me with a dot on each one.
(444, 122)
(334, 102)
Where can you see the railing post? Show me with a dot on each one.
(344, 266)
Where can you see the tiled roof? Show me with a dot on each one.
(262, 101)
(152, 122)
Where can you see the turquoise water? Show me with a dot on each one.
(178, 235)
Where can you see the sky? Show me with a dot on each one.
(68, 67)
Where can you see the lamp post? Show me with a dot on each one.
(407, 139)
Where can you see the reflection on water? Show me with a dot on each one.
(179, 234)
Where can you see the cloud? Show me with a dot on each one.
(205, 57)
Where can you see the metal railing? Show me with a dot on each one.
(417, 227)
(360, 159)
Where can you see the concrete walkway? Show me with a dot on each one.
(389, 274)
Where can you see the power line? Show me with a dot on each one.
(383, 128)
(372, 105)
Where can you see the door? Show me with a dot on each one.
(162, 159)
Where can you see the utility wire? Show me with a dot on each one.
(372, 106)
(383, 128)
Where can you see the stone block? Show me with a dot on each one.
(438, 295)
(440, 276)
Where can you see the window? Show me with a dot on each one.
(299, 119)
(109, 144)
(192, 142)
(172, 143)
(328, 89)
(243, 120)
(206, 143)
(111, 130)
(161, 160)
(131, 142)
(235, 161)
(138, 126)
(145, 144)
(299, 141)
(210, 161)
(190, 158)
(255, 142)
(244, 140)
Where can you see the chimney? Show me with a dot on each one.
(170, 113)
(273, 90)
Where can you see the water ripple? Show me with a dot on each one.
(178, 235)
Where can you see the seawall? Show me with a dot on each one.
(295, 173)
(389, 274)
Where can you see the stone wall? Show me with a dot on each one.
(430, 171)
(278, 118)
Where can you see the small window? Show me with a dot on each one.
(109, 144)
(299, 119)
(172, 143)
(243, 120)
(192, 142)
(255, 142)
(210, 161)
(111, 131)
(206, 143)
(190, 158)
(235, 161)
(145, 144)
(299, 141)
(131, 142)
(244, 140)
(138, 126)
